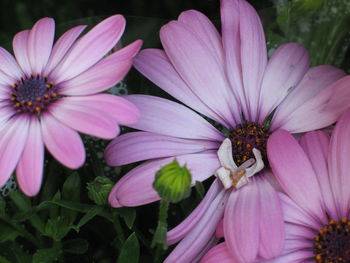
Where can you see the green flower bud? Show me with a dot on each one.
(173, 182)
(98, 190)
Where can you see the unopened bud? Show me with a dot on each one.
(98, 190)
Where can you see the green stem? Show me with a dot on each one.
(118, 228)
(159, 238)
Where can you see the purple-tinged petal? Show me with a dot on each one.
(135, 188)
(294, 245)
(242, 223)
(219, 232)
(295, 257)
(166, 117)
(20, 44)
(180, 231)
(62, 142)
(29, 170)
(118, 108)
(90, 48)
(40, 42)
(311, 91)
(211, 243)
(138, 146)
(316, 146)
(284, 71)
(271, 220)
(13, 136)
(199, 68)
(61, 47)
(217, 254)
(294, 172)
(84, 119)
(155, 65)
(193, 244)
(339, 165)
(6, 82)
(6, 113)
(253, 55)
(104, 74)
(9, 65)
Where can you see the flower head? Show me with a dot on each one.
(49, 93)
(229, 79)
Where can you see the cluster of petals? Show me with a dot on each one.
(314, 176)
(78, 70)
(221, 77)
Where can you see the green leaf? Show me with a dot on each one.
(7, 232)
(45, 255)
(128, 214)
(21, 201)
(71, 188)
(76, 246)
(96, 164)
(57, 228)
(94, 211)
(4, 260)
(200, 189)
(83, 208)
(130, 251)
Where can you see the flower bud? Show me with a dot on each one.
(98, 190)
(173, 182)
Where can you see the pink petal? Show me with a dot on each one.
(284, 71)
(29, 170)
(295, 257)
(9, 65)
(194, 243)
(309, 90)
(20, 44)
(217, 254)
(316, 146)
(62, 142)
(199, 68)
(115, 107)
(271, 220)
(166, 117)
(13, 136)
(40, 42)
(138, 146)
(241, 223)
(84, 119)
(338, 160)
(294, 172)
(104, 74)
(5, 81)
(155, 65)
(181, 230)
(90, 48)
(220, 229)
(61, 47)
(135, 188)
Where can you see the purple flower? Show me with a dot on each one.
(228, 79)
(49, 93)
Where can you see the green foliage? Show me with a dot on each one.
(130, 251)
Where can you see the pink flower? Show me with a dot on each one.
(228, 79)
(49, 93)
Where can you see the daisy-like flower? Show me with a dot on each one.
(315, 176)
(49, 93)
(228, 79)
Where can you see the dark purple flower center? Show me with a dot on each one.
(247, 136)
(332, 243)
(34, 94)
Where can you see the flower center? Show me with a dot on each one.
(34, 94)
(332, 243)
(245, 137)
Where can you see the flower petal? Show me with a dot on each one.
(62, 142)
(181, 230)
(155, 65)
(29, 170)
(284, 71)
(241, 223)
(166, 117)
(61, 47)
(295, 257)
(135, 188)
(84, 119)
(116, 107)
(13, 135)
(219, 253)
(316, 146)
(199, 68)
(9, 65)
(138, 146)
(294, 172)
(90, 48)
(20, 44)
(104, 74)
(271, 220)
(40, 42)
